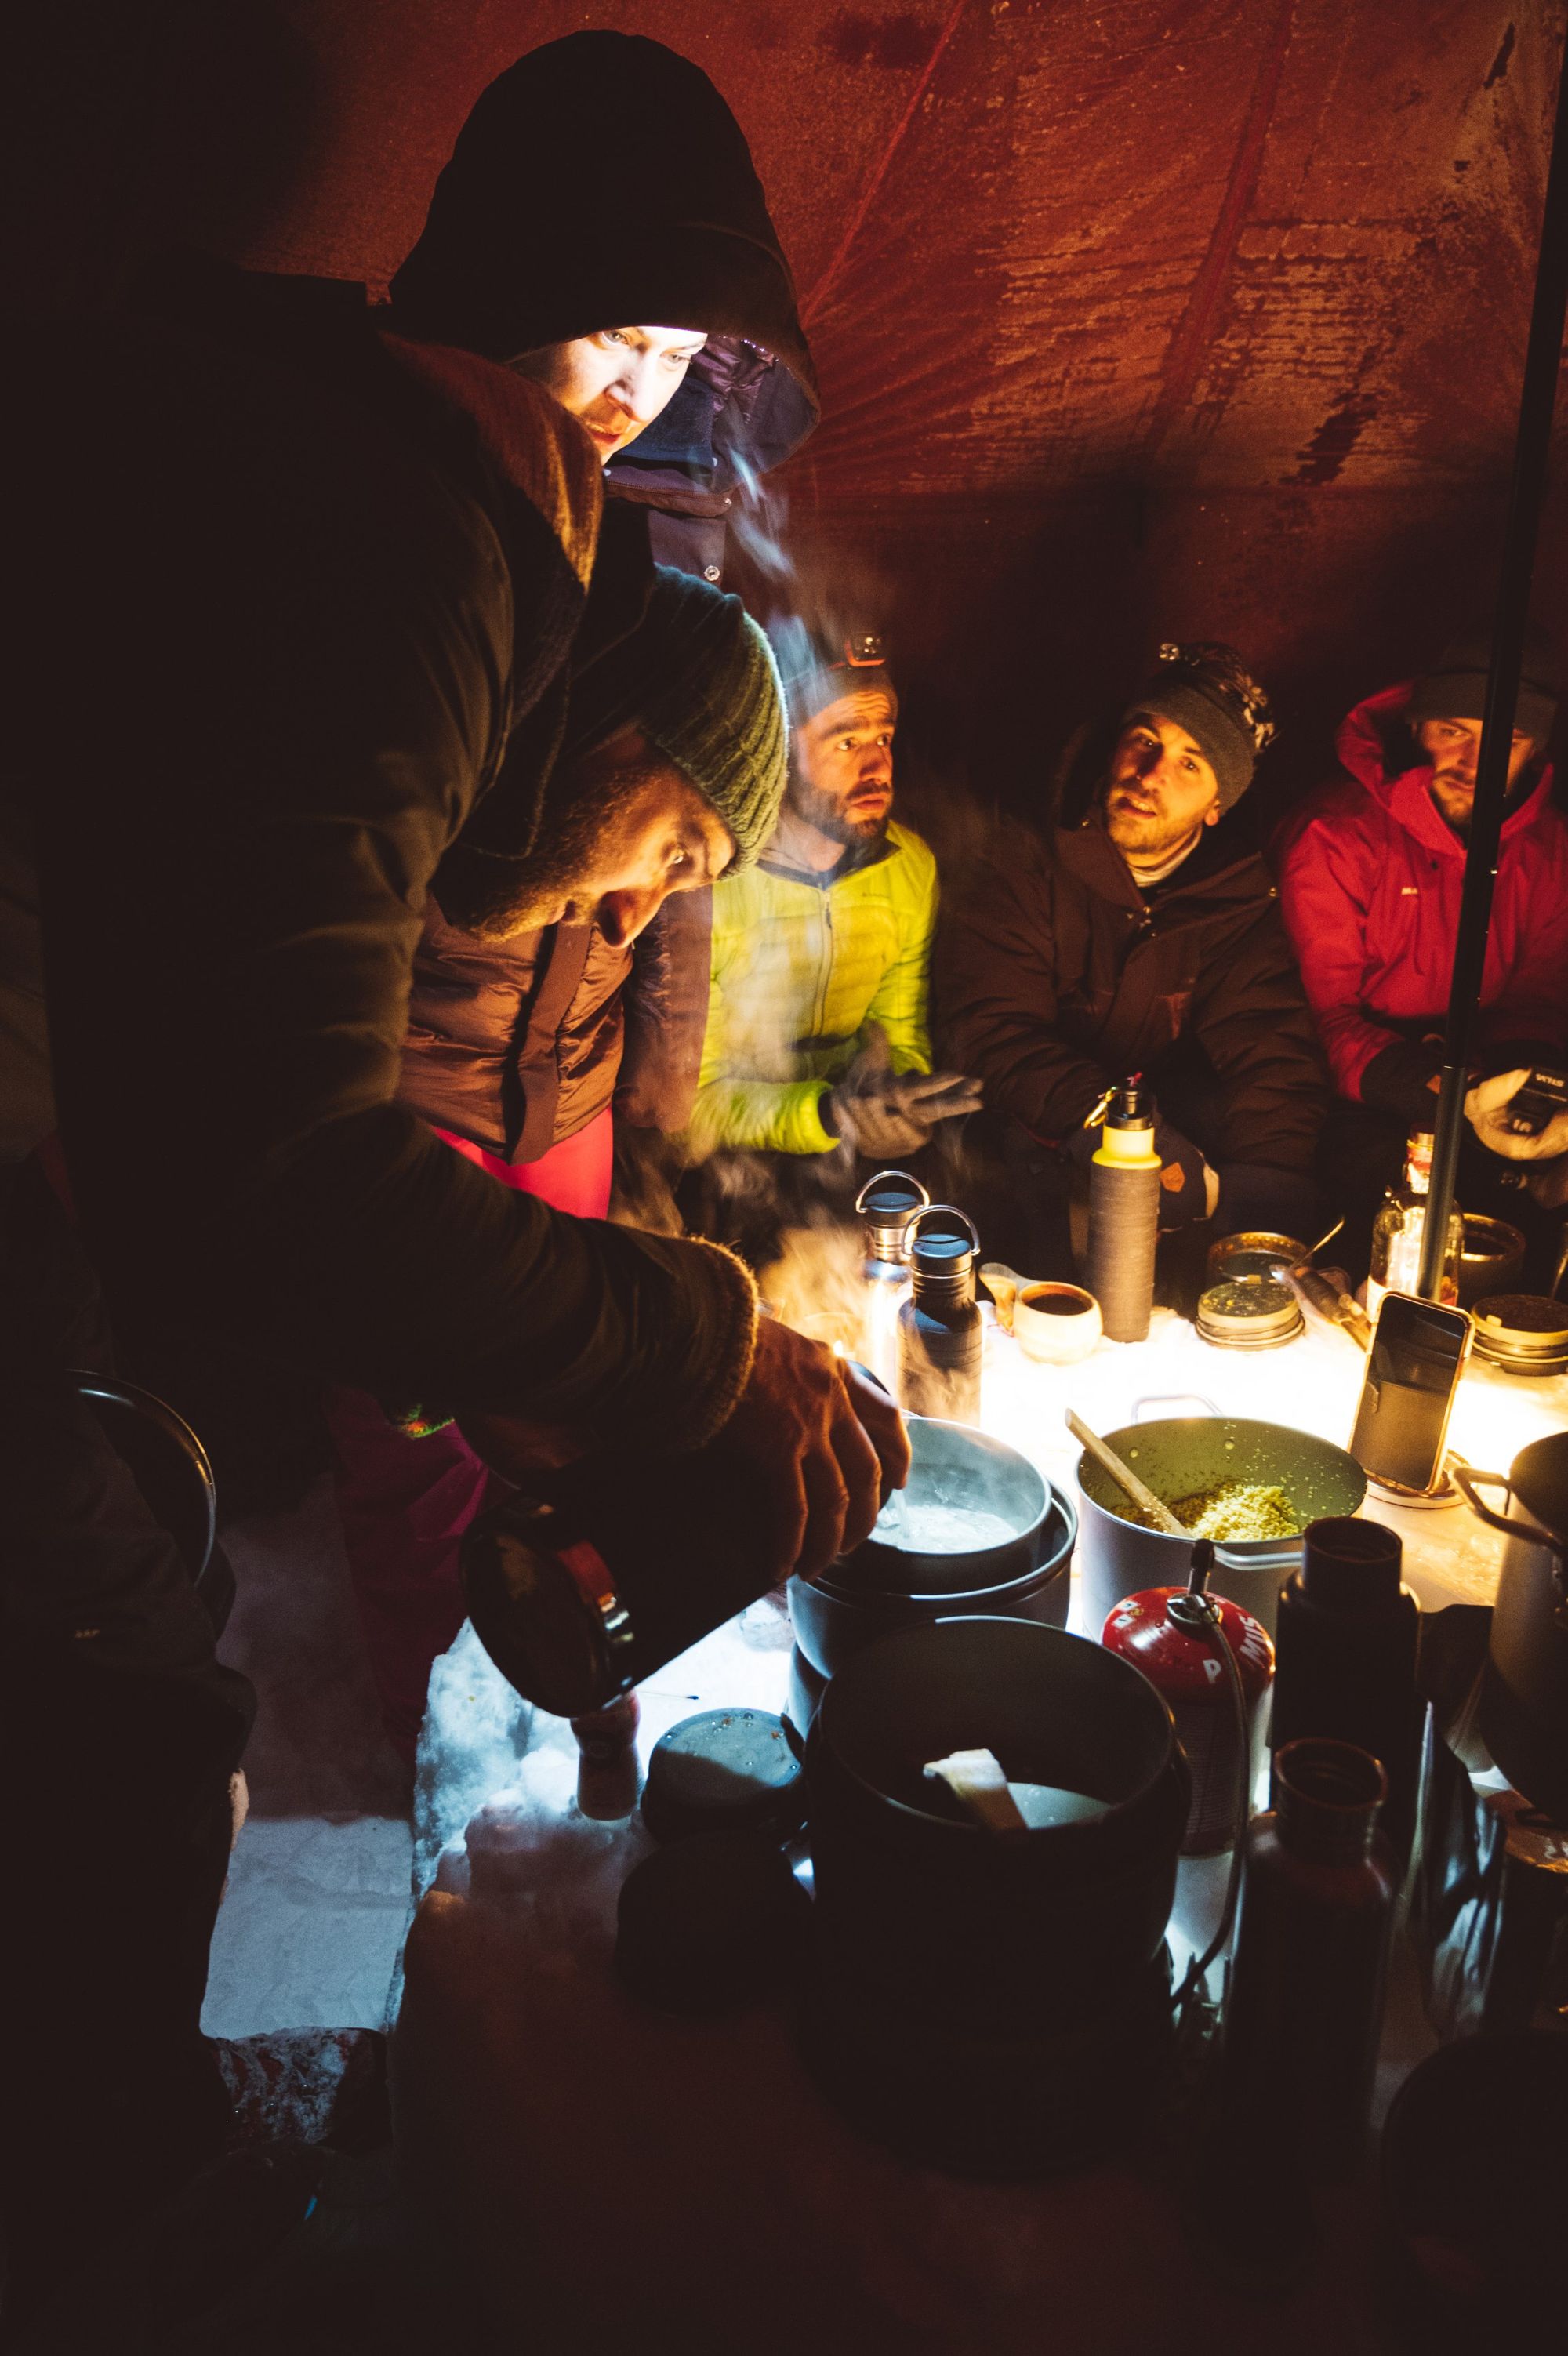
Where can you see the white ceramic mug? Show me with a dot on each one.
(1057, 1325)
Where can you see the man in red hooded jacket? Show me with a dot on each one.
(1371, 869)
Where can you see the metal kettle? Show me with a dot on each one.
(1524, 1691)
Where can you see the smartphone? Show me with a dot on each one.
(1417, 1355)
(1543, 1096)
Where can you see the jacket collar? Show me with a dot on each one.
(1214, 865)
(824, 879)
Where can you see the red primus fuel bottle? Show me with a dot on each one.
(1174, 1644)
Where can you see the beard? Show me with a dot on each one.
(1150, 838)
(496, 899)
(829, 816)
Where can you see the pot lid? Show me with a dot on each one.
(1522, 1320)
(1248, 1313)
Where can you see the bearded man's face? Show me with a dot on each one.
(621, 831)
(842, 778)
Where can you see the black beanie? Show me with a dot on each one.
(819, 666)
(1456, 688)
(1206, 689)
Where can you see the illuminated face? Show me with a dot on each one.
(622, 831)
(1454, 747)
(1160, 791)
(842, 778)
(616, 381)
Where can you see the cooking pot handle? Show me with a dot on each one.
(1172, 1399)
(1281, 1557)
(1470, 1481)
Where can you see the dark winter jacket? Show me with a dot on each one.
(1055, 976)
(518, 1046)
(293, 620)
(1370, 879)
(672, 226)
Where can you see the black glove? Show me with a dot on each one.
(1396, 1079)
(882, 1113)
(1184, 1194)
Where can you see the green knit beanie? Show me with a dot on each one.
(698, 678)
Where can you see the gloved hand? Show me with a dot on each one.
(1189, 1189)
(1486, 1108)
(1401, 1079)
(879, 1112)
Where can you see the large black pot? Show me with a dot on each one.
(880, 1586)
(171, 1468)
(1524, 1694)
(930, 1913)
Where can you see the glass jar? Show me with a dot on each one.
(1399, 1227)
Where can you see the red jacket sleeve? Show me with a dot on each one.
(1325, 877)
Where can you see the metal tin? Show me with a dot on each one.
(1522, 1332)
(1249, 1313)
(1252, 1252)
(1492, 1260)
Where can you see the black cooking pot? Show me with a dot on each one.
(171, 1468)
(925, 1911)
(1524, 1693)
(883, 1585)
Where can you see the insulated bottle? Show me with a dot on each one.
(1125, 1214)
(941, 1337)
(1346, 1638)
(1305, 2006)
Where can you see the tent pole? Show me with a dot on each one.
(1542, 360)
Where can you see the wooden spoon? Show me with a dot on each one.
(1126, 1480)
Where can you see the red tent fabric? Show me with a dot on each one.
(1134, 318)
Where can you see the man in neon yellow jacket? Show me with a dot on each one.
(817, 1033)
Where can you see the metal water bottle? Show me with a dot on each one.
(941, 1337)
(1124, 1213)
(887, 1203)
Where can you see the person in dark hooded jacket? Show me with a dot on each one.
(304, 594)
(1147, 938)
(522, 1050)
(667, 326)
